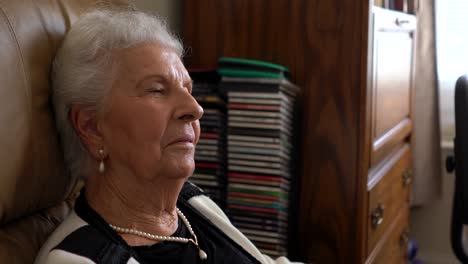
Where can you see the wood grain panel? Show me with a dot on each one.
(393, 63)
(382, 146)
(328, 60)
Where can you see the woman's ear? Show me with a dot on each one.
(85, 124)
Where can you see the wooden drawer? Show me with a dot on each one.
(392, 249)
(388, 187)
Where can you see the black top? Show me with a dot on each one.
(100, 243)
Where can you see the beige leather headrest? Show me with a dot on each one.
(32, 175)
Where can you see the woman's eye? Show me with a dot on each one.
(156, 88)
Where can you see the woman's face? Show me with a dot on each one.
(150, 125)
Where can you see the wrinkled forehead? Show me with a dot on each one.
(144, 60)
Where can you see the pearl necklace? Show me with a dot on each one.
(131, 231)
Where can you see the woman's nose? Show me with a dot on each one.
(189, 109)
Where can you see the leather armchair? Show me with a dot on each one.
(36, 192)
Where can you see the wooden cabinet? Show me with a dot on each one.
(389, 174)
(355, 74)
(388, 193)
(391, 71)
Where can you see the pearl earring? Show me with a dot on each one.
(102, 167)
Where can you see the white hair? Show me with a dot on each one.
(84, 68)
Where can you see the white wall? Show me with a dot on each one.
(168, 9)
(430, 224)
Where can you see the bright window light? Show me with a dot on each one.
(452, 56)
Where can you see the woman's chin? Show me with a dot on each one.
(183, 168)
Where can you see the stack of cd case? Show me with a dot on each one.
(261, 114)
(210, 153)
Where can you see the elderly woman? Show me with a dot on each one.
(129, 126)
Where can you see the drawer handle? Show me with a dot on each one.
(401, 22)
(404, 237)
(377, 216)
(407, 175)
